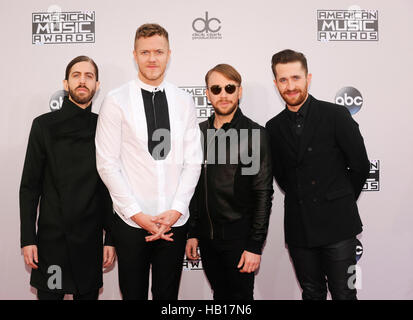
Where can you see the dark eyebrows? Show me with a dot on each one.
(87, 73)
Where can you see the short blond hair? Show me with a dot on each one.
(148, 30)
(227, 71)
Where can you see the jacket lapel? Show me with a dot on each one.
(311, 124)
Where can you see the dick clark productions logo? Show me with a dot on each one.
(206, 28)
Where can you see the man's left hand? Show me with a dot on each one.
(249, 262)
(109, 255)
(166, 219)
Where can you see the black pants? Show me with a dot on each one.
(329, 264)
(136, 256)
(50, 295)
(220, 259)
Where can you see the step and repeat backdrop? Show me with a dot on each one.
(360, 55)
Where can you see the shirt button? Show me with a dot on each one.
(310, 149)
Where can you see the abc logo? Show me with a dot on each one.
(201, 25)
(350, 98)
(359, 249)
(56, 100)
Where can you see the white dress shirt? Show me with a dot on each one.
(136, 181)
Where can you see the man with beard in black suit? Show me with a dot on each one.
(320, 162)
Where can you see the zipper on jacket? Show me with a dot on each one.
(206, 199)
(206, 184)
(153, 106)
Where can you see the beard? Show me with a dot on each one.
(295, 101)
(226, 112)
(81, 99)
(152, 75)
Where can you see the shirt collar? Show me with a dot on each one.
(70, 106)
(232, 123)
(303, 111)
(150, 88)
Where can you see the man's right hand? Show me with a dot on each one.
(190, 250)
(30, 256)
(145, 222)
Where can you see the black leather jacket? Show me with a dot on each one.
(233, 197)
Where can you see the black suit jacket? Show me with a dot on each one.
(60, 177)
(322, 177)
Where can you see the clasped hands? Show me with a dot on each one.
(158, 226)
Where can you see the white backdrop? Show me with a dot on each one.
(250, 33)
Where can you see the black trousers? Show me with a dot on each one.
(220, 259)
(319, 266)
(50, 295)
(136, 256)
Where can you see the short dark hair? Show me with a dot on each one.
(148, 30)
(226, 70)
(81, 59)
(287, 56)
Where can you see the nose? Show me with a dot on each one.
(223, 93)
(290, 85)
(82, 79)
(152, 56)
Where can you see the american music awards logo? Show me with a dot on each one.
(58, 27)
(203, 107)
(206, 28)
(353, 24)
(189, 265)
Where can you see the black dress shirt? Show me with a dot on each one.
(157, 117)
(297, 119)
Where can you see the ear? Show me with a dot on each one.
(207, 94)
(240, 93)
(97, 85)
(66, 85)
(309, 77)
(276, 83)
(169, 55)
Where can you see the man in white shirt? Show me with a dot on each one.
(148, 153)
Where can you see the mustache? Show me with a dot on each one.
(84, 87)
(292, 91)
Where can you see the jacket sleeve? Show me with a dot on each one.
(192, 159)
(108, 145)
(107, 212)
(277, 170)
(31, 185)
(262, 187)
(193, 222)
(351, 143)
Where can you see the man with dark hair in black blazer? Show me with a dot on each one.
(320, 162)
(64, 205)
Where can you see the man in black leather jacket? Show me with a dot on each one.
(229, 212)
